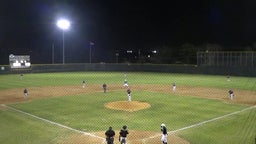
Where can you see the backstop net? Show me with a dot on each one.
(227, 58)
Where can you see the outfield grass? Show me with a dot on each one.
(73, 78)
(86, 112)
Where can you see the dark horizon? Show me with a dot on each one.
(29, 27)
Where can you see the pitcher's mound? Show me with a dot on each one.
(127, 106)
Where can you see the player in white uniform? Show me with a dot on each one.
(125, 83)
(228, 77)
(83, 84)
(164, 134)
(231, 94)
(173, 87)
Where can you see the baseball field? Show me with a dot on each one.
(58, 110)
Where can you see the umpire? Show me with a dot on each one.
(110, 133)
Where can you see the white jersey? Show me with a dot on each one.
(174, 88)
(125, 83)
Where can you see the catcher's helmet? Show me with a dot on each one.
(124, 127)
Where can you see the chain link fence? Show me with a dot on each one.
(227, 58)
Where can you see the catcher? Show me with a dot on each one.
(123, 134)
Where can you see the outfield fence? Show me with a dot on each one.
(236, 70)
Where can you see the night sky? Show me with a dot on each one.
(28, 27)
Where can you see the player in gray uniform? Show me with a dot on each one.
(21, 76)
(164, 134)
(25, 93)
(104, 86)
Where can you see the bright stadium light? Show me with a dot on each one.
(64, 25)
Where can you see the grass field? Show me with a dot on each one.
(59, 110)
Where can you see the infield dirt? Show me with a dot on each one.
(16, 95)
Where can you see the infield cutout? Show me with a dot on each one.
(127, 105)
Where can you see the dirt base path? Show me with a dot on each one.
(16, 95)
(241, 96)
(134, 137)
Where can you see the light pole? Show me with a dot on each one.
(91, 44)
(117, 54)
(64, 25)
(53, 53)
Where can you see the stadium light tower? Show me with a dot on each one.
(64, 25)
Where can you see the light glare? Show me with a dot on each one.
(63, 24)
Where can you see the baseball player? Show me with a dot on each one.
(21, 76)
(83, 84)
(123, 134)
(125, 83)
(173, 87)
(231, 94)
(228, 77)
(164, 135)
(110, 133)
(104, 86)
(129, 94)
(25, 93)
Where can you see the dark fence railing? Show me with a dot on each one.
(190, 69)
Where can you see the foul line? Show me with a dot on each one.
(54, 123)
(173, 131)
(204, 122)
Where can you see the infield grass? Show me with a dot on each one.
(17, 128)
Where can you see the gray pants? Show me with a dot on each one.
(122, 140)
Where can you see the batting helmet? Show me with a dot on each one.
(162, 125)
